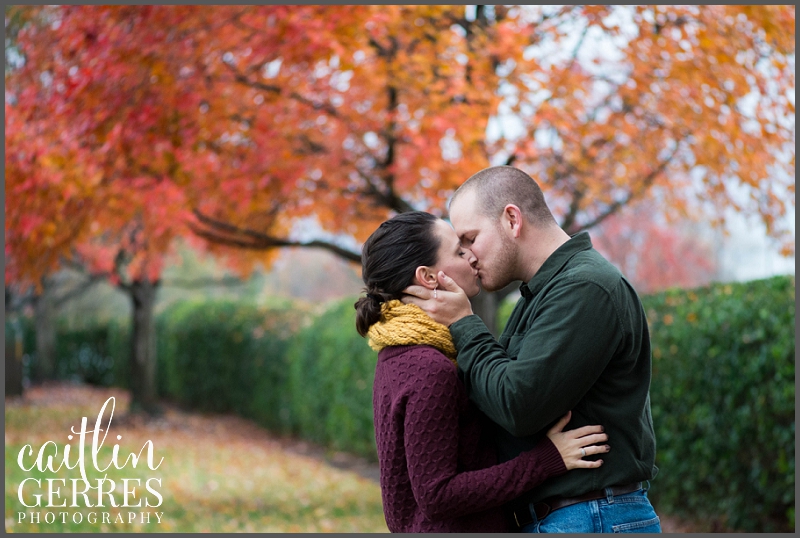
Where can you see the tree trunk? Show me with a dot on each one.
(486, 306)
(44, 319)
(13, 349)
(143, 349)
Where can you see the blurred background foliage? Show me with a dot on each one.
(131, 188)
(723, 401)
(722, 391)
(241, 130)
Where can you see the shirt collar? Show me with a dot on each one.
(553, 265)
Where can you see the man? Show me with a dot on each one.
(577, 340)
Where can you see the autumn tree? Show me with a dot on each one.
(655, 254)
(82, 188)
(607, 106)
(109, 150)
(258, 118)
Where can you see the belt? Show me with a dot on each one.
(522, 515)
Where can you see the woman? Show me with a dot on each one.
(438, 473)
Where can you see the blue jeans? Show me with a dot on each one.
(631, 512)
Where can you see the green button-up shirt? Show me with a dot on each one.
(576, 340)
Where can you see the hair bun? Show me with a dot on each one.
(368, 312)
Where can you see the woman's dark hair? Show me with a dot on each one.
(389, 259)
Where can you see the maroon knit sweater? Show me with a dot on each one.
(438, 472)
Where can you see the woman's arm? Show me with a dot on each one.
(431, 440)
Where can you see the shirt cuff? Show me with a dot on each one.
(466, 329)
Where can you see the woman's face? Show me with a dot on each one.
(456, 262)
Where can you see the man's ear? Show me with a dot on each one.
(511, 220)
(425, 276)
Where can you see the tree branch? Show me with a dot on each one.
(574, 207)
(327, 108)
(271, 88)
(225, 233)
(646, 182)
(386, 199)
(204, 282)
(80, 289)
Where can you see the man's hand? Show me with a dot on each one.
(448, 305)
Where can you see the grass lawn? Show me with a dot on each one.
(219, 474)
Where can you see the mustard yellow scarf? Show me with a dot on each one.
(407, 324)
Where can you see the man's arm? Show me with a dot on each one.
(563, 352)
(431, 434)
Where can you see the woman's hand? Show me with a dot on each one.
(573, 445)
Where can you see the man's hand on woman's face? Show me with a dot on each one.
(446, 305)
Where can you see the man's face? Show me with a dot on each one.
(482, 235)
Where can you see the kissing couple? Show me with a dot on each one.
(478, 434)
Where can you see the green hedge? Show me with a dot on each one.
(722, 391)
(96, 354)
(722, 396)
(331, 373)
(723, 402)
(313, 381)
(224, 356)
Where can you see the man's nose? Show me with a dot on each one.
(472, 259)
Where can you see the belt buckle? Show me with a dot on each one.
(541, 509)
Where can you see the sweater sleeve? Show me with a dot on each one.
(561, 356)
(431, 436)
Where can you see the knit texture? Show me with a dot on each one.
(407, 324)
(438, 467)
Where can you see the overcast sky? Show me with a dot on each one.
(747, 253)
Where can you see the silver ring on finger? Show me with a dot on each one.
(583, 452)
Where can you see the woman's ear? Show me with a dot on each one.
(425, 276)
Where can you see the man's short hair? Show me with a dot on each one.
(497, 186)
